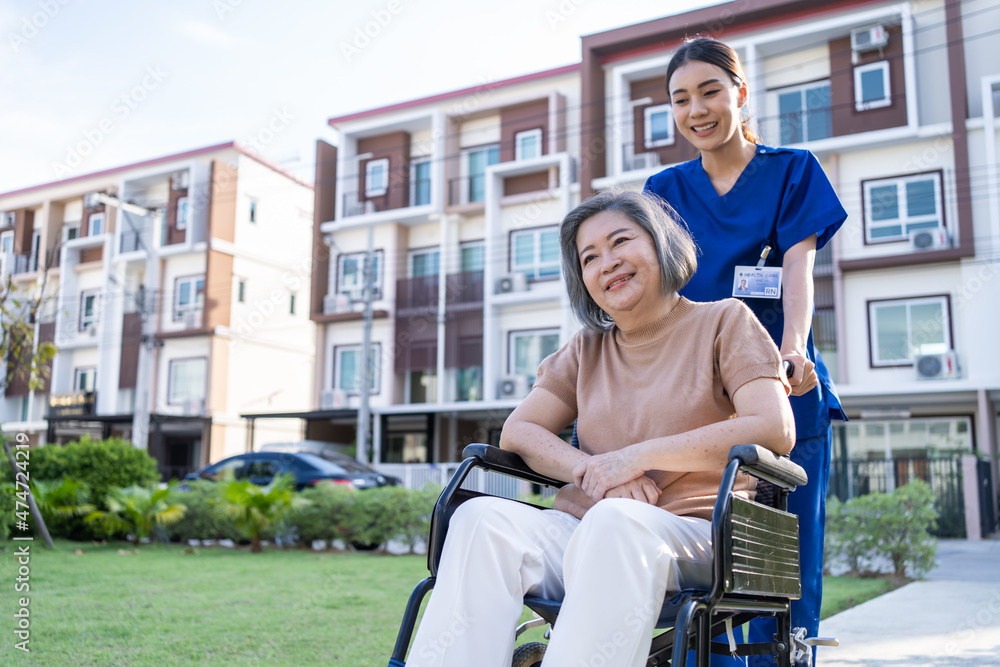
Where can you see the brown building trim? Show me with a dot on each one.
(908, 259)
(324, 210)
(845, 118)
(868, 319)
(864, 202)
(186, 333)
(959, 135)
(131, 339)
(521, 118)
(524, 183)
(221, 224)
(24, 225)
(348, 317)
(174, 234)
(395, 147)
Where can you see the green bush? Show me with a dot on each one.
(891, 526)
(100, 464)
(6, 511)
(204, 519)
(327, 516)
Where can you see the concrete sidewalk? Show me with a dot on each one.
(950, 618)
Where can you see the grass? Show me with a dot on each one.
(840, 593)
(162, 606)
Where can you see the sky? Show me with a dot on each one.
(86, 86)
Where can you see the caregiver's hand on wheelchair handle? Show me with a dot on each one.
(803, 377)
(603, 472)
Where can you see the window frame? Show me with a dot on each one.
(339, 350)
(803, 89)
(467, 175)
(414, 181)
(470, 245)
(171, 365)
(859, 71)
(413, 253)
(514, 334)
(533, 275)
(519, 137)
(867, 199)
(647, 126)
(198, 304)
(383, 187)
(253, 212)
(101, 217)
(77, 372)
(181, 221)
(86, 322)
(241, 291)
(67, 228)
(873, 304)
(358, 292)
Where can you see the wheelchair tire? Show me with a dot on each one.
(529, 655)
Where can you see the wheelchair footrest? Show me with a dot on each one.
(765, 648)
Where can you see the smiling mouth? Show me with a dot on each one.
(619, 282)
(704, 128)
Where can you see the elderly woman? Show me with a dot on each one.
(662, 388)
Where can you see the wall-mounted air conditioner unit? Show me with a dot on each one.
(514, 386)
(930, 239)
(645, 161)
(91, 200)
(180, 181)
(192, 319)
(359, 208)
(194, 407)
(511, 282)
(943, 366)
(869, 39)
(332, 399)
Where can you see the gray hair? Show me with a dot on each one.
(674, 247)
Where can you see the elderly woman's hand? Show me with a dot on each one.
(641, 488)
(603, 472)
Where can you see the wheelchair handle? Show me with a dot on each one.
(789, 367)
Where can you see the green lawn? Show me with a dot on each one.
(218, 606)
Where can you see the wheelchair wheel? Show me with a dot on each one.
(529, 655)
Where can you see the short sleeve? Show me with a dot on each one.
(558, 372)
(809, 205)
(744, 350)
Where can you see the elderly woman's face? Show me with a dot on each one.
(620, 265)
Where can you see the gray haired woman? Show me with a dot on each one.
(661, 389)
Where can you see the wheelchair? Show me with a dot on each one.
(755, 572)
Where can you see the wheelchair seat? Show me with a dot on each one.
(755, 570)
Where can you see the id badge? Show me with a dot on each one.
(761, 282)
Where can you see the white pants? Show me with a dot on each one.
(612, 570)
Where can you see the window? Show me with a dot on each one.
(84, 379)
(476, 161)
(71, 231)
(347, 368)
(901, 329)
(420, 183)
(376, 177)
(528, 144)
(804, 113)
(894, 207)
(909, 438)
(528, 348)
(535, 252)
(241, 291)
(182, 213)
(7, 243)
(469, 382)
(421, 386)
(88, 309)
(871, 86)
(253, 211)
(350, 274)
(186, 380)
(36, 244)
(424, 262)
(189, 295)
(473, 256)
(291, 304)
(96, 224)
(658, 125)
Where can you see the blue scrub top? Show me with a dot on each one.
(781, 198)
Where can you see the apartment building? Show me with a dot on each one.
(461, 194)
(899, 101)
(177, 288)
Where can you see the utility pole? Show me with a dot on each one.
(364, 412)
(147, 314)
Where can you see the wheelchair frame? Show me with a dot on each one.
(756, 574)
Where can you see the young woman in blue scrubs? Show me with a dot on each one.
(753, 209)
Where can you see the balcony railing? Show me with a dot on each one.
(419, 293)
(632, 161)
(356, 203)
(467, 189)
(464, 288)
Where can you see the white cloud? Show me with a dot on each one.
(206, 34)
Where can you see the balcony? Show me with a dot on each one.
(416, 295)
(467, 190)
(631, 161)
(403, 195)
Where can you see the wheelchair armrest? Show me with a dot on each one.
(508, 463)
(765, 464)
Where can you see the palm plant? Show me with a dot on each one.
(137, 509)
(60, 500)
(254, 508)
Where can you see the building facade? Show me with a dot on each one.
(176, 288)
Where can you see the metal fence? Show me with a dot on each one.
(418, 475)
(850, 478)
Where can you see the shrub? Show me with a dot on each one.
(6, 510)
(138, 510)
(327, 516)
(204, 518)
(62, 503)
(100, 464)
(254, 509)
(891, 526)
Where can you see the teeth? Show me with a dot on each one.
(702, 128)
(618, 281)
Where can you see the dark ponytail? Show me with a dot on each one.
(723, 56)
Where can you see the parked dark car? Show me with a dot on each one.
(337, 453)
(308, 469)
